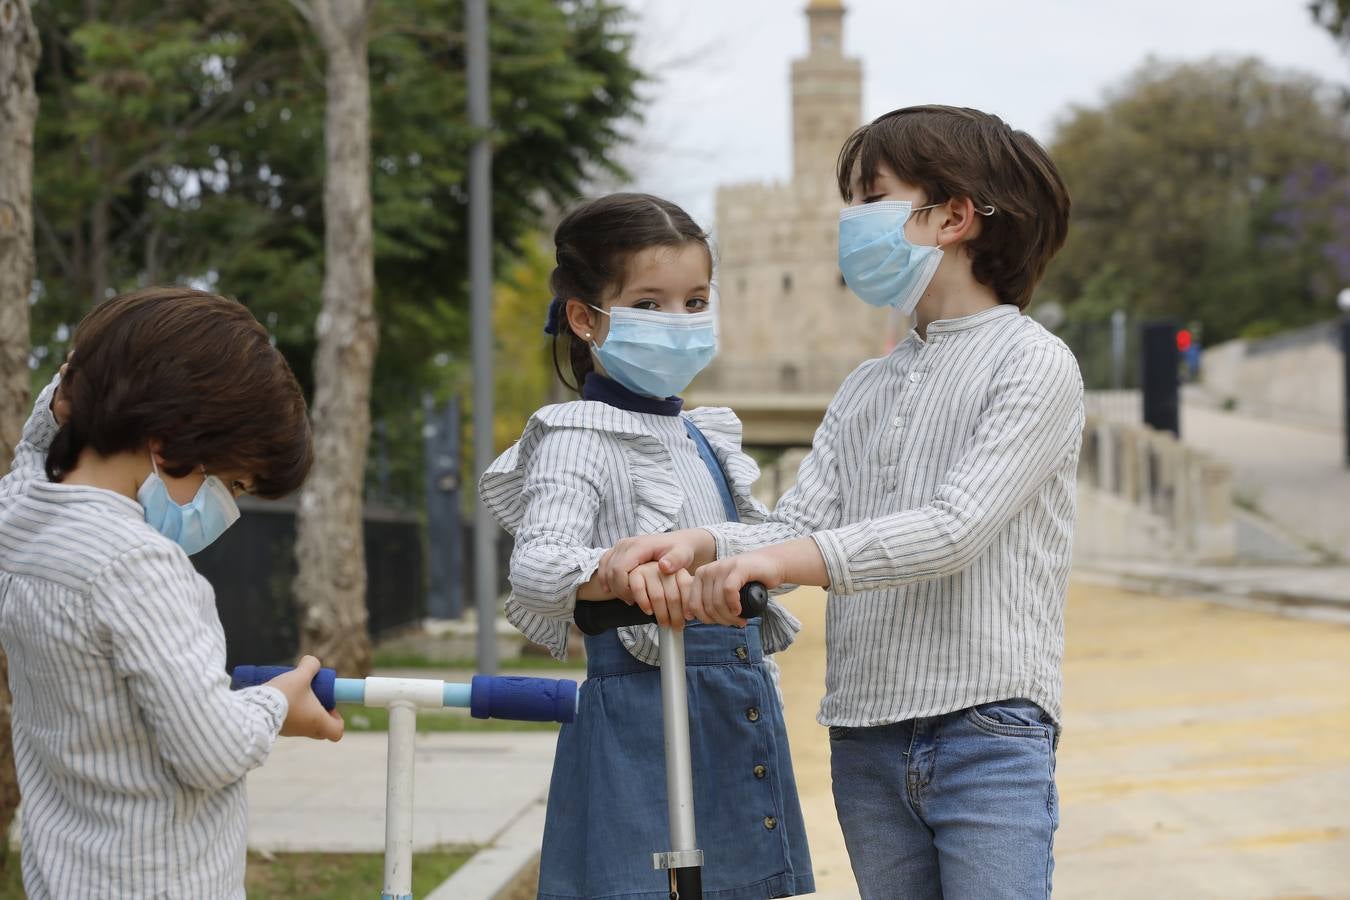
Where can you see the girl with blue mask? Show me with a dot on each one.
(173, 404)
(633, 315)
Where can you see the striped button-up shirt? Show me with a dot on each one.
(131, 749)
(940, 491)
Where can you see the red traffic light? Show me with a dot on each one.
(1183, 340)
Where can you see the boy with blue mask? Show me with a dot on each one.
(131, 748)
(937, 507)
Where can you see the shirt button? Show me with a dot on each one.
(898, 421)
(742, 653)
(752, 714)
(914, 377)
(761, 771)
(770, 822)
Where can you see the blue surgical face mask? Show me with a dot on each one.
(879, 263)
(656, 353)
(194, 525)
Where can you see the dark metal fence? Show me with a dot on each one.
(1108, 354)
(253, 565)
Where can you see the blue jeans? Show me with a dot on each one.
(954, 807)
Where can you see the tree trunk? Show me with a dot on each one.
(18, 116)
(331, 585)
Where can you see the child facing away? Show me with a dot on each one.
(633, 288)
(130, 747)
(937, 505)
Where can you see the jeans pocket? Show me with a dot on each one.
(1010, 719)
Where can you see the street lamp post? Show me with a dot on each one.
(480, 306)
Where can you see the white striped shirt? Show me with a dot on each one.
(585, 475)
(131, 749)
(940, 490)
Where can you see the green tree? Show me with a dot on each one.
(525, 379)
(19, 52)
(1334, 16)
(1214, 192)
(330, 581)
(184, 140)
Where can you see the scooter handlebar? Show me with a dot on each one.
(252, 676)
(600, 616)
(487, 697)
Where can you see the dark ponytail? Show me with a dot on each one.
(595, 242)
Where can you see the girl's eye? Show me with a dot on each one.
(646, 304)
(873, 198)
(237, 487)
(696, 303)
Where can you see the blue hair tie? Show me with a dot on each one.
(555, 310)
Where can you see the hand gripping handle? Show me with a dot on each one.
(252, 676)
(598, 617)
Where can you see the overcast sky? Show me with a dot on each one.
(720, 112)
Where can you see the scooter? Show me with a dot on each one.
(486, 697)
(684, 860)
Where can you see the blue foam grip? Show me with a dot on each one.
(523, 699)
(252, 676)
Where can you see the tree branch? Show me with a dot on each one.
(306, 12)
(58, 251)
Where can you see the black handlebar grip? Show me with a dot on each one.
(598, 617)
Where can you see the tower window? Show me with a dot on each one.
(787, 283)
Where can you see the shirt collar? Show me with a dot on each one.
(965, 323)
(606, 390)
(112, 501)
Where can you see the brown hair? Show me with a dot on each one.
(595, 242)
(194, 371)
(956, 153)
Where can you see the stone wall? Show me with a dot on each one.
(1297, 377)
(1141, 495)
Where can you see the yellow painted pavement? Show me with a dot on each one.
(1206, 751)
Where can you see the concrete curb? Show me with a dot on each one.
(506, 868)
(1309, 603)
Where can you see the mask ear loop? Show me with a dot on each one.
(986, 210)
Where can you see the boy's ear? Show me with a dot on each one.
(959, 221)
(579, 317)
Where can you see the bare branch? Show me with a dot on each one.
(306, 12)
(54, 245)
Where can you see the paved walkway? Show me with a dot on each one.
(1206, 751)
(1295, 476)
(468, 789)
(1206, 754)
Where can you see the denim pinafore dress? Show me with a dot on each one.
(607, 798)
(607, 810)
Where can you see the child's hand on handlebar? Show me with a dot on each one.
(671, 552)
(306, 716)
(713, 594)
(659, 595)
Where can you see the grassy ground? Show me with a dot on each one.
(310, 876)
(394, 658)
(373, 718)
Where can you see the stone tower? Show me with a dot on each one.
(789, 325)
(826, 99)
